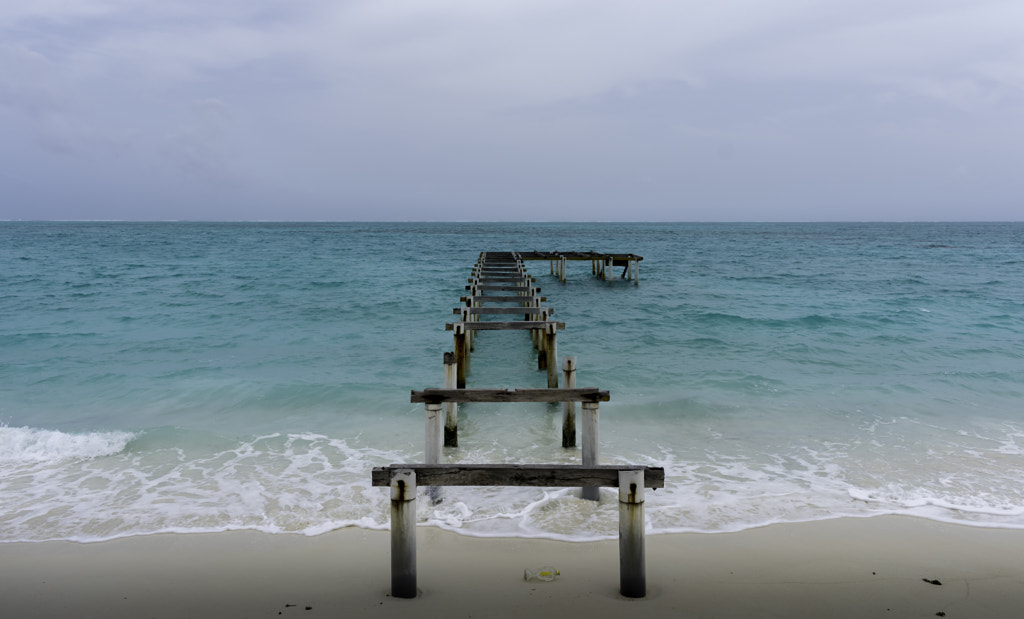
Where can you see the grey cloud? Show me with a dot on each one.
(677, 109)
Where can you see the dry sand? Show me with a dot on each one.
(874, 567)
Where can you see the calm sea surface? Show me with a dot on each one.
(161, 377)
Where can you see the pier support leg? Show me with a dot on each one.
(562, 270)
(461, 355)
(432, 433)
(590, 445)
(632, 558)
(432, 448)
(403, 534)
(569, 408)
(451, 409)
(551, 354)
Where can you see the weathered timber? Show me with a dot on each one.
(569, 407)
(498, 278)
(432, 448)
(499, 288)
(582, 394)
(515, 325)
(502, 310)
(451, 409)
(550, 353)
(591, 445)
(630, 479)
(632, 555)
(461, 355)
(403, 533)
(540, 475)
(576, 255)
(502, 299)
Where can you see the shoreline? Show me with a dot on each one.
(851, 567)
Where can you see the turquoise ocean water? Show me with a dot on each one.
(159, 377)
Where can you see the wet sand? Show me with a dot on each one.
(888, 566)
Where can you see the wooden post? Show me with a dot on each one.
(551, 354)
(432, 434)
(563, 269)
(590, 445)
(569, 408)
(432, 448)
(451, 409)
(403, 534)
(461, 354)
(632, 559)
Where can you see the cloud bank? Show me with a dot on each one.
(554, 110)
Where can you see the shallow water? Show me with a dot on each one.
(203, 377)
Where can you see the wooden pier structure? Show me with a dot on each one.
(500, 287)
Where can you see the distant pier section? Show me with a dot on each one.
(601, 265)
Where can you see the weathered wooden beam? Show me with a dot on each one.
(502, 299)
(515, 325)
(540, 475)
(502, 310)
(582, 394)
(498, 288)
(575, 255)
(499, 278)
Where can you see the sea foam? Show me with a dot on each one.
(19, 445)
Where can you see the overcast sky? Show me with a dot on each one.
(721, 110)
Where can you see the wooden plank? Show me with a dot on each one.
(582, 394)
(502, 299)
(541, 475)
(503, 310)
(503, 288)
(505, 326)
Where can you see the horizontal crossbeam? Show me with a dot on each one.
(438, 396)
(504, 310)
(499, 288)
(543, 475)
(498, 278)
(502, 299)
(506, 326)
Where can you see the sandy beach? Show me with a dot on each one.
(878, 567)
